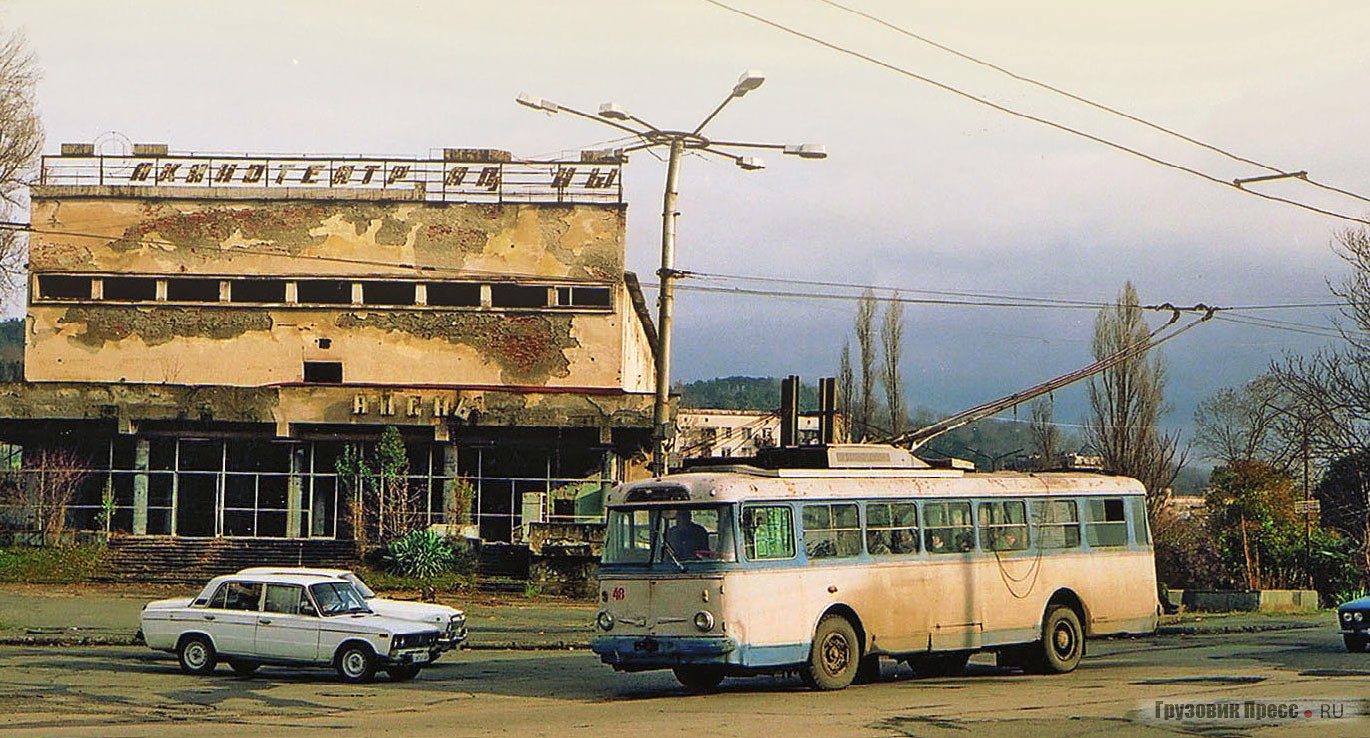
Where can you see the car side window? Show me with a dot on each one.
(220, 595)
(283, 598)
(242, 595)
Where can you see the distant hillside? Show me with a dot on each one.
(743, 393)
(12, 350)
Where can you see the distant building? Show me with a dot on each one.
(211, 332)
(711, 433)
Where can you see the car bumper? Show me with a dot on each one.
(407, 656)
(637, 653)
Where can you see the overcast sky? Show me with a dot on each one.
(923, 190)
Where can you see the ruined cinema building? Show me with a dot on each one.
(210, 332)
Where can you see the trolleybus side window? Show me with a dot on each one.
(629, 537)
(768, 532)
(948, 527)
(1141, 534)
(1106, 522)
(831, 531)
(1003, 525)
(1058, 523)
(891, 528)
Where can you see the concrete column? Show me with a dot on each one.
(141, 453)
(449, 483)
(294, 501)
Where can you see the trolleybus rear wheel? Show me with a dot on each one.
(1063, 641)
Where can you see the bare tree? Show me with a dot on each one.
(846, 387)
(1044, 434)
(21, 140)
(1261, 421)
(1126, 402)
(863, 419)
(892, 346)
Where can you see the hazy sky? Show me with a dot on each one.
(923, 190)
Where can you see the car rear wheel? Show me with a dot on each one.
(1355, 643)
(356, 663)
(403, 673)
(197, 655)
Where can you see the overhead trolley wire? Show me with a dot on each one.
(1028, 116)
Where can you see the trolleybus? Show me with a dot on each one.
(822, 560)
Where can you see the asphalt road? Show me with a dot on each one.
(131, 691)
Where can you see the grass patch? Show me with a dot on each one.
(49, 564)
(383, 581)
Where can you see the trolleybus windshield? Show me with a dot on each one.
(678, 536)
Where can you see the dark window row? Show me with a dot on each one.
(319, 292)
(903, 527)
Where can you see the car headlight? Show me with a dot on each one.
(704, 621)
(605, 621)
(1346, 616)
(1358, 616)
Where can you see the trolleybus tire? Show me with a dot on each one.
(1063, 642)
(699, 678)
(835, 655)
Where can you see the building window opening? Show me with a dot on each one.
(388, 293)
(517, 296)
(63, 287)
(323, 372)
(598, 297)
(192, 290)
(454, 294)
(130, 289)
(258, 290)
(324, 292)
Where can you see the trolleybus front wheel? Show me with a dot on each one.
(835, 655)
(699, 678)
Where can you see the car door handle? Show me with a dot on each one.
(209, 617)
(264, 621)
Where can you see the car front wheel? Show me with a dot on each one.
(356, 663)
(197, 655)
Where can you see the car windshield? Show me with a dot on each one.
(679, 536)
(360, 586)
(338, 598)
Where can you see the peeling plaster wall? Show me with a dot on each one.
(222, 344)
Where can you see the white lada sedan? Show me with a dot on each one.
(450, 622)
(288, 619)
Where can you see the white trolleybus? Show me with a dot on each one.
(822, 560)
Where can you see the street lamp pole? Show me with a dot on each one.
(677, 142)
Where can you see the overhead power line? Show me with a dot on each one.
(1028, 116)
(1278, 171)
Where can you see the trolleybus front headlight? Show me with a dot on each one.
(704, 621)
(605, 621)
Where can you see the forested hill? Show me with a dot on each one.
(742, 393)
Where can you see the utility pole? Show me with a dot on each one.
(677, 142)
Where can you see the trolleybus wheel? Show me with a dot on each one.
(835, 655)
(697, 677)
(1063, 641)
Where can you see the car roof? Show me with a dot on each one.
(276, 578)
(301, 570)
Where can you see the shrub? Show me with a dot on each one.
(421, 554)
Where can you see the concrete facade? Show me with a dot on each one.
(178, 302)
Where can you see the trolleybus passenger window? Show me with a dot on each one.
(948, 527)
(831, 531)
(891, 528)
(768, 532)
(1003, 526)
(1106, 522)
(1139, 523)
(1058, 523)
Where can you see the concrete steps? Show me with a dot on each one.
(164, 559)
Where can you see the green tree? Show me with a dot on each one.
(1251, 512)
(376, 479)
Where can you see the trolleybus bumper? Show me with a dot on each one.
(638, 653)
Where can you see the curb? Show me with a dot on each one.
(1219, 629)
